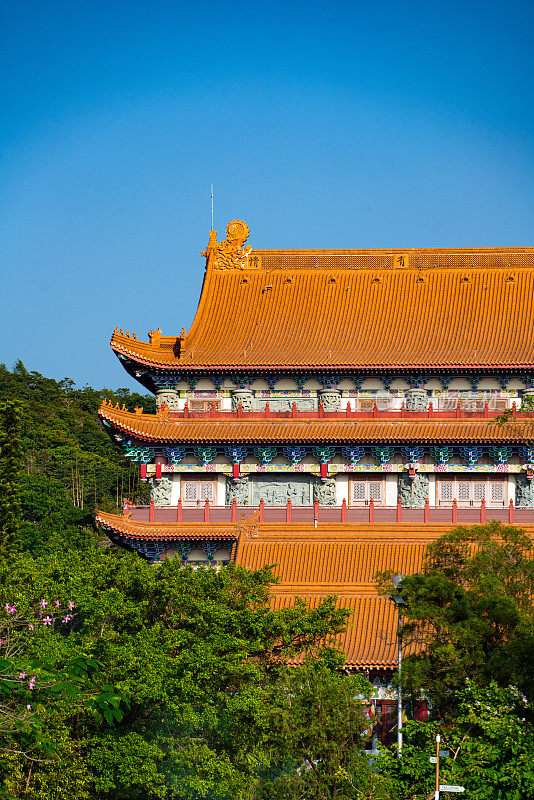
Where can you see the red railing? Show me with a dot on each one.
(315, 514)
(348, 413)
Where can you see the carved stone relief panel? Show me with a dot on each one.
(416, 400)
(237, 489)
(285, 403)
(412, 491)
(325, 491)
(524, 491)
(527, 398)
(169, 397)
(330, 398)
(160, 491)
(277, 488)
(243, 396)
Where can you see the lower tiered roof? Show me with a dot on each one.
(314, 562)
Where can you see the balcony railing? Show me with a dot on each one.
(439, 408)
(315, 514)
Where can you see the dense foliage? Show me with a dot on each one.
(196, 662)
(57, 462)
(119, 679)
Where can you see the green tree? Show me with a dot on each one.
(10, 474)
(470, 613)
(317, 717)
(490, 744)
(198, 654)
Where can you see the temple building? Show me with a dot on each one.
(331, 412)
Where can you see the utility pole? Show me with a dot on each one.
(399, 601)
(436, 790)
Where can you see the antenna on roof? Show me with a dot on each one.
(212, 206)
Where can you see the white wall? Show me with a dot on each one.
(175, 489)
(342, 488)
(432, 488)
(391, 489)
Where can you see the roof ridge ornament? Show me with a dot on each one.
(231, 252)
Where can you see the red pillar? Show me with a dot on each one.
(316, 510)
(349, 409)
(143, 472)
(152, 512)
(454, 510)
(262, 504)
(234, 510)
(511, 513)
(235, 470)
(399, 510)
(371, 510)
(344, 511)
(293, 409)
(207, 510)
(324, 470)
(158, 472)
(288, 510)
(483, 511)
(427, 510)
(321, 410)
(179, 511)
(375, 410)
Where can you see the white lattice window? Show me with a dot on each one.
(497, 492)
(471, 492)
(479, 491)
(364, 490)
(197, 492)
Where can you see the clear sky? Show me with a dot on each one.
(322, 124)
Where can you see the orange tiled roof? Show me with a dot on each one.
(124, 526)
(335, 558)
(350, 309)
(163, 428)
(370, 641)
(312, 563)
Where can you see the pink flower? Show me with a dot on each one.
(67, 618)
(71, 605)
(29, 707)
(47, 621)
(56, 603)
(1, 642)
(10, 609)
(32, 683)
(22, 675)
(44, 603)
(30, 626)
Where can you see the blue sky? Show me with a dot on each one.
(336, 124)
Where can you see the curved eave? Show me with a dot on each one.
(133, 360)
(159, 428)
(123, 526)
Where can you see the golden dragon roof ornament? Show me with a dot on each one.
(230, 253)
